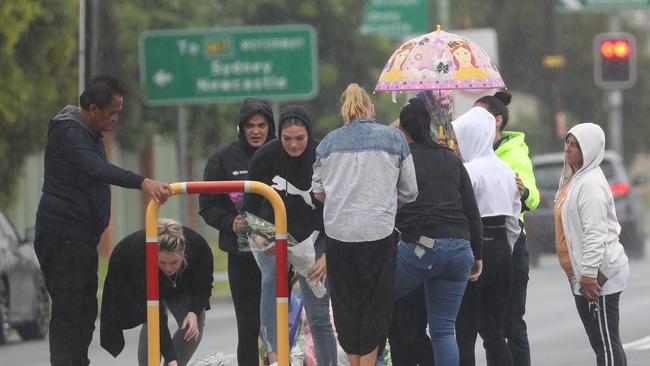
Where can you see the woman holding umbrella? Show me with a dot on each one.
(441, 232)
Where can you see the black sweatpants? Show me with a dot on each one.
(362, 280)
(515, 328)
(483, 309)
(69, 265)
(245, 288)
(602, 329)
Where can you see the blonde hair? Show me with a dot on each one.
(171, 238)
(355, 103)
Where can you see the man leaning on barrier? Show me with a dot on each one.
(74, 211)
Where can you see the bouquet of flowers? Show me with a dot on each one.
(440, 105)
(237, 199)
(256, 234)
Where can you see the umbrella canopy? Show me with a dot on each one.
(439, 61)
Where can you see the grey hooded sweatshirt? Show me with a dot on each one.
(589, 221)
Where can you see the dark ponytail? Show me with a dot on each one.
(496, 105)
(415, 120)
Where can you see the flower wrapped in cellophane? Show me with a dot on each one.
(258, 235)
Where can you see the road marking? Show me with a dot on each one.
(639, 344)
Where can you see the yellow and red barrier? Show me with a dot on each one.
(282, 283)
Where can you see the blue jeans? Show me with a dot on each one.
(444, 270)
(317, 310)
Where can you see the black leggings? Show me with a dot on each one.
(515, 327)
(409, 343)
(485, 301)
(245, 287)
(602, 329)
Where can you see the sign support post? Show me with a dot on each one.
(182, 157)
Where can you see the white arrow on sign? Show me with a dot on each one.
(162, 78)
(572, 4)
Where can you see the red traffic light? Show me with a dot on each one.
(615, 48)
(615, 60)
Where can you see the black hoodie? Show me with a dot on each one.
(76, 194)
(231, 163)
(290, 177)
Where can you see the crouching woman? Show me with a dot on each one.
(185, 276)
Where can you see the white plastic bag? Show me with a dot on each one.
(302, 257)
(211, 359)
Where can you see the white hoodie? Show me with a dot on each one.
(589, 221)
(492, 179)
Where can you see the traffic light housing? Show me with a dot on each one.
(615, 60)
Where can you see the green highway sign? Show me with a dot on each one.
(395, 18)
(188, 66)
(600, 5)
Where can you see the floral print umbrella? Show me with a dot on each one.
(439, 61)
(434, 64)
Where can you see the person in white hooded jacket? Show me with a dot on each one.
(484, 304)
(587, 241)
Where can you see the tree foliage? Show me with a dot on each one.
(38, 63)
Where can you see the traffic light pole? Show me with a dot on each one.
(558, 129)
(182, 158)
(614, 101)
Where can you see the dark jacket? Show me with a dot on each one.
(272, 165)
(231, 163)
(76, 193)
(124, 295)
(446, 206)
